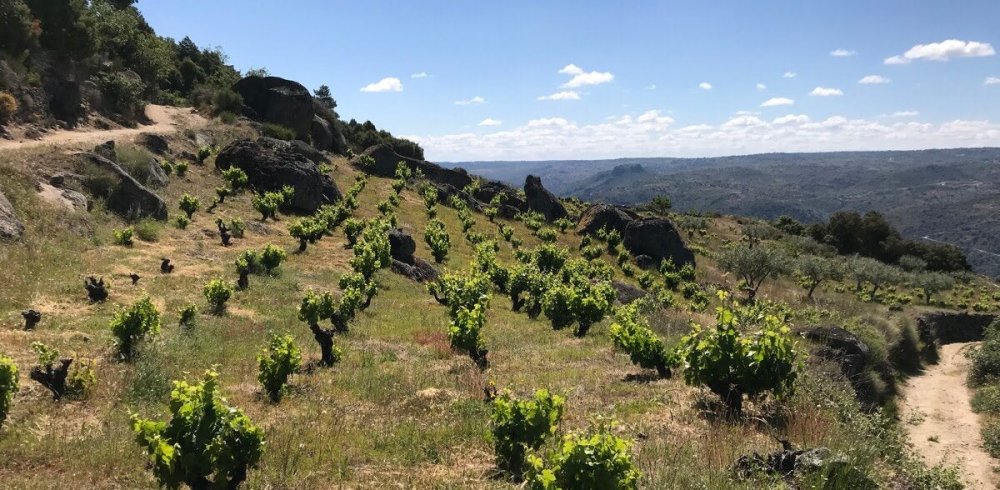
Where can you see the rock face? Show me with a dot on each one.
(420, 270)
(541, 200)
(940, 328)
(11, 228)
(322, 134)
(605, 216)
(657, 238)
(386, 161)
(278, 101)
(128, 197)
(402, 246)
(155, 176)
(627, 293)
(489, 190)
(154, 142)
(842, 347)
(271, 164)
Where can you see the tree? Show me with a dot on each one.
(206, 444)
(789, 225)
(752, 265)
(322, 95)
(314, 308)
(814, 270)
(932, 283)
(661, 204)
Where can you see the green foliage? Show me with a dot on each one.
(352, 230)
(8, 105)
(276, 363)
(237, 227)
(430, 196)
(987, 400)
(373, 251)
(46, 355)
(547, 235)
(306, 230)
(366, 162)
(564, 224)
(592, 252)
(80, 380)
(188, 315)
(189, 204)
(147, 230)
(732, 364)
(124, 237)
(203, 153)
(267, 204)
(217, 292)
(752, 265)
(236, 179)
(271, 257)
(437, 239)
(122, 93)
(595, 459)
(931, 283)
(557, 304)
(660, 204)
(465, 327)
(460, 290)
(814, 270)
(8, 385)
(132, 324)
(520, 426)
(168, 168)
(278, 131)
(631, 334)
(991, 437)
(549, 258)
(206, 444)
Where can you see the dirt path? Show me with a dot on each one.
(164, 119)
(937, 413)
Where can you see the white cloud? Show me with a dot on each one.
(826, 92)
(567, 95)
(992, 81)
(489, 121)
(904, 114)
(791, 118)
(422, 74)
(390, 84)
(705, 86)
(873, 79)
(571, 70)
(842, 53)
(942, 51)
(789, 74)
(761, 86)
(586, 78)
(646, 136)
(651, 86)
(475, 100)
(776, 101)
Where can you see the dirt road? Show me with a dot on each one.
(164, 119)
(937, 414)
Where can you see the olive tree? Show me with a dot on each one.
(814, 270)
(932, 283)
(753, 265)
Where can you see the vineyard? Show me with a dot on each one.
(244, 342)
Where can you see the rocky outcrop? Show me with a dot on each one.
(11, 227)
(386, 160)
(420, 270)
(66, 198)
(271, 164)
(154, 175)
(488, 190)
(402, 246)
(278, 101)
(842, 347)
(627, 293)
(601, 216)
(128, 197)
(155, 143)
(540, 200)
(939, 328)
(657, 238)
(322, 134)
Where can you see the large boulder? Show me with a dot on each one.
(402, 246)
(154, 176)
(605, 216)
(278, 101)
(11, 227)
(322, 134)
(386, 160)
(271, 164)
(420, 270)
(842, 347)
(128, 197)
(491, 189)
(657, 238)
(541, 200)
(627, 293)
(155, 143)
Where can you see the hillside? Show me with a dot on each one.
(400, 406)
(921, 192)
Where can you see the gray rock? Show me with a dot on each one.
(11, 227)
(271, 164)
(155, 143)
(128, 197)
(605, 216)
(627, 293)
(657, 238)
(107, 150)
(386, 160)
(278, 101)
(402, 246)
(541, 200)
(322, 134)
(420, 270)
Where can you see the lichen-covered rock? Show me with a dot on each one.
(11, 227)
(278, 101)
(657, 238)
(541, 200)
(605, 216)
(128, 197)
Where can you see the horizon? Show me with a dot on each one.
(584, 81)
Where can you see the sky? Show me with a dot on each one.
(541, 80)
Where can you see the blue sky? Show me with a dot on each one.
(635, 78)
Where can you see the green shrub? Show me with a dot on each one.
(437, 239)
(632, 335)
(595, 459)
(373, 252)
(132, 324)
(266, 204)
(549, 258)
(460, 290)
(592, 252)
(271, 257)
(189, 204)
(203, 153)
(8, 385)
(248, 262)
(276, 363)
(520, 426)
(181, 168)
(227, 117)
(182, 222)
(217, 292)
(147, 230)
(122, 93)
(352, 230)
(237, 227)
(732, 364)
(236, 178)
(557, 304)
(430, 196)
(124, 237)
(987, 399)
(564, 224)
(306, 230)
(227, 100)
(991, 437)
(206, 444)
(547, 235)
(278, 131)
(464, 331)
(167, 167)
(188, 315)
(81, 380)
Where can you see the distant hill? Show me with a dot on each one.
(950, 195)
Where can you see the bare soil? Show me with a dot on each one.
(937, 413)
